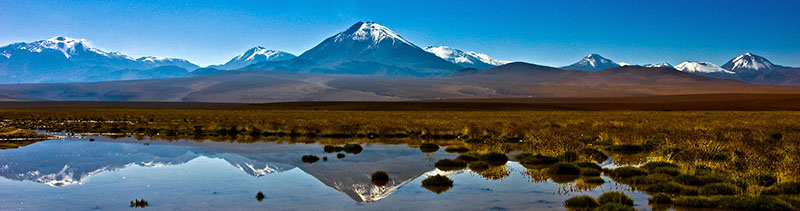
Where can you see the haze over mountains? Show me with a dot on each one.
(367, 61)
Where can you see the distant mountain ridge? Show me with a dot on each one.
(365, 48)
(64, 59)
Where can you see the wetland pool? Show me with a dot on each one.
(75, 173)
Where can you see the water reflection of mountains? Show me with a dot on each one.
(68, 162)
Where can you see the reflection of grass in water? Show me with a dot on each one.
(352, 148)
(428, 147)
(260, 196)
(450, 164)
(478, 166)
(437, 183)
(586, 184)
(564, 168)
(309, 159)
(531, 159)
(494, 158)
(139, 203)
(537, 175)
(495, 172)
(615, 207)
(380, 178)
(456, 149)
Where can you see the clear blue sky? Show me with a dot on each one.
(554, 33)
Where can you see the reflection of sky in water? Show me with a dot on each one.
(215, 175)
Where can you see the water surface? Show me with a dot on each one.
(78, 174)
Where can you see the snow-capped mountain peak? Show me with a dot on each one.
(749, 61)
(465, 59)
(592, 62)
(67, 46)
(363, 31)
(252, 53)
(665, 64)
(701, 67)
(595, 59)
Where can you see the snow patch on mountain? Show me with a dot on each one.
(665, 64)
(466, 59)
(701, 67)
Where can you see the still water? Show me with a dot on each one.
(106, 174)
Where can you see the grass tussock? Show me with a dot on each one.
(615, 198)
(581, 203)
(437, 183)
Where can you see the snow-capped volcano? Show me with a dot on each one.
(370, 48)
(370, 31)
(252, 56)
(700, 67)
(465, 59)
(748, 62)
(64, 59)
(665, 64)
(592, 62)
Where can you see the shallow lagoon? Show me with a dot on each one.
(78, 174)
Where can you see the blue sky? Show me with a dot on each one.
(554, 33)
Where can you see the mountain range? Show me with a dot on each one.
(363, 54)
